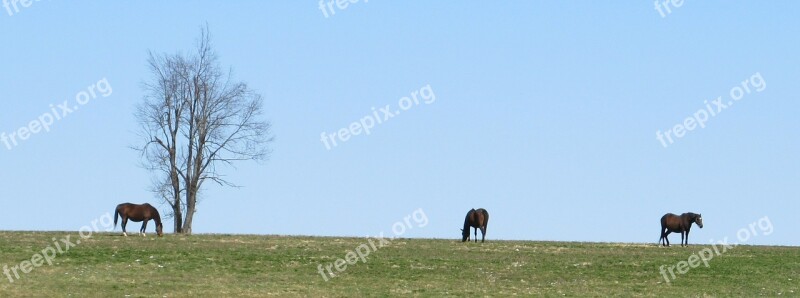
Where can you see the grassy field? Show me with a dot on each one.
(243, 265)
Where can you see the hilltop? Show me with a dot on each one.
(250, 265)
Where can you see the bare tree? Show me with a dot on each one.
(194, 119)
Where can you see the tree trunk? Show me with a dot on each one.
(177, 215)
(191, 200)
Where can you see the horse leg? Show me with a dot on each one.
(682, 235)
(483, 234)
(666, 237)
(687, 238)
(124, 223)
(143, 229)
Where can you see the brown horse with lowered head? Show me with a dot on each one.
(478, 220)
(137, 213)
(679, 224)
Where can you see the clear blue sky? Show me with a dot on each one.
(546, 114)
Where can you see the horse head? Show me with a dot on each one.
(464, 235)
(160, 229)
(698, 219)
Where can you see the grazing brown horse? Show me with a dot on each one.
(478, 220)
(683, 223)
(137, 213)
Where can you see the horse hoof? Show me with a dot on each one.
(125, 234)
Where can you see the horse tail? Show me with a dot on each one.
(663, 225)
(485, 218)
(116, 214)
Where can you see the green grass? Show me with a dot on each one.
(244, 265)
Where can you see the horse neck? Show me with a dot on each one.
(156, 215)
(467, 221)
(688, 222)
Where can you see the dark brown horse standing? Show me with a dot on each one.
(137, 213)
(679, 224)
(477, 219)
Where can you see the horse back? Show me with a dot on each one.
(484, 217)
(478, 218)
(673, 222)
(123, 208)
(136, 212)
